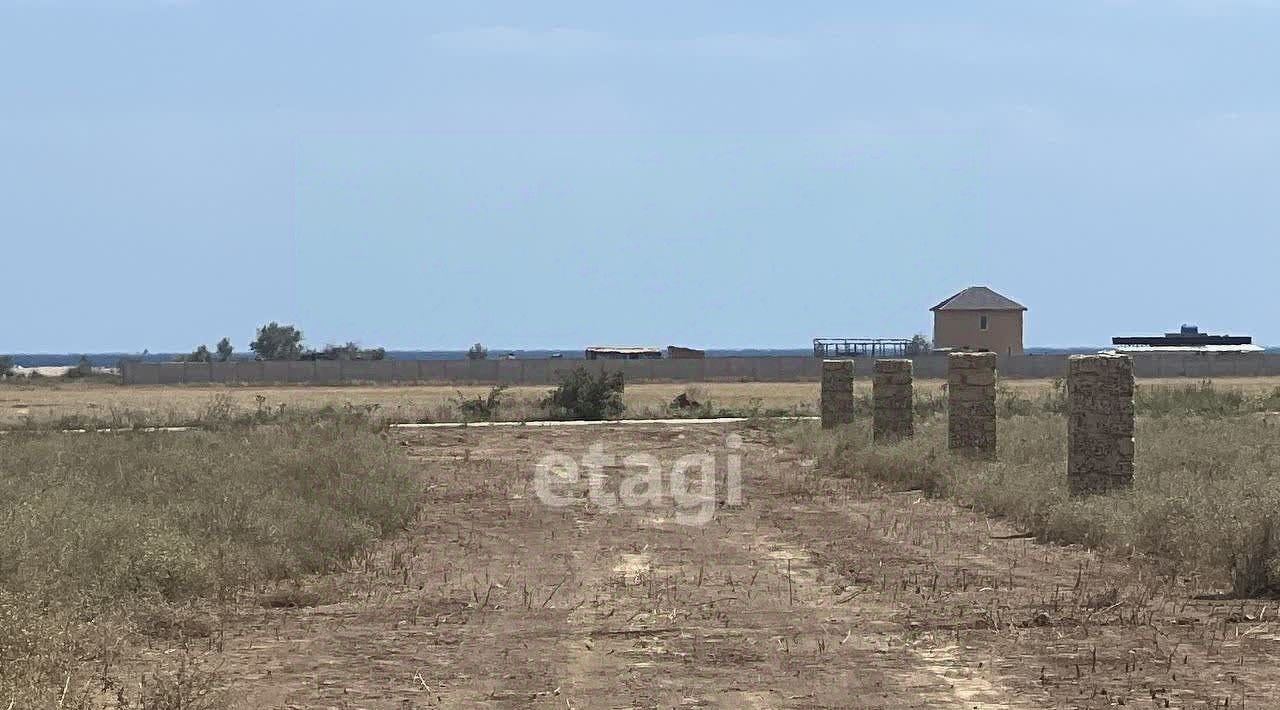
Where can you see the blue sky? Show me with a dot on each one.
(420, 175)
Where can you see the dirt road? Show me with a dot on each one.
(810, 593)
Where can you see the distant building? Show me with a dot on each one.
(979, 319)
(604, 352)
(842, 348)
(675, 352)
(1187, 339)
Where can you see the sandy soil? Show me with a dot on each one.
(810, 593)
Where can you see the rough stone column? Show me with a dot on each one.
(837, 392)
(971, 403)
(892, 396)
(1100, 421)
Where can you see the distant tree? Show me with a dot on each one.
(83, 368)
(478, 352)
(350, 351)
(200, 354)
(920, 345)
(6, 365)
(277, 342)
(225, 350)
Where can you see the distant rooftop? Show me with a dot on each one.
(1189, 336)
(622, 352)
(979, 298)
(1136, 349)
(622, 349)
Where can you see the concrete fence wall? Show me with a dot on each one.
(713, 369)
(512, 372)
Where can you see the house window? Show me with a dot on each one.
(982, 322)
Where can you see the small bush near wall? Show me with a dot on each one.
(582, 395)
(480, 408)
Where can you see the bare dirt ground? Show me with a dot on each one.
(814, 592)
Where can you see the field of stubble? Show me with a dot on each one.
(332, 563)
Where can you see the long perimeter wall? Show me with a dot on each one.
(713, 369)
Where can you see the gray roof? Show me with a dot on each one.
(621, 349)
(979, 298)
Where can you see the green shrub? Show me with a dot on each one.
(479, 408)
(582, 395)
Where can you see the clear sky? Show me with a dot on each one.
(733, 174)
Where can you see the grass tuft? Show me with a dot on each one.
(107, 535)
(1205, 498)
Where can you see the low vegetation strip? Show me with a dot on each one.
(95, 407)
(1205, 499)
(107, 536)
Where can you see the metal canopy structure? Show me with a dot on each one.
(837, 348)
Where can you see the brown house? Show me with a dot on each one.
(978, 318)
(676, 352)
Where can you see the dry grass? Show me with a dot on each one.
(75, 405)
(108, 537)
(136, 556)
(1205, 499)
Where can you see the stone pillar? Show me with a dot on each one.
(837, 392)
(1100, 421)
(893, 399)
(971, 403)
